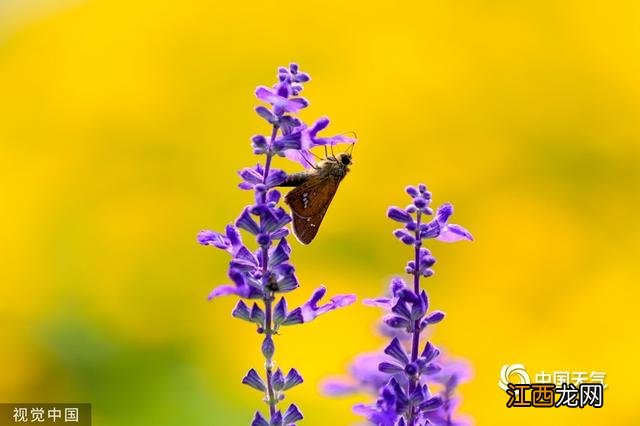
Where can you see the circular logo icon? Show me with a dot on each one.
(513, 371)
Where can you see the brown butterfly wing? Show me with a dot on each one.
(309, 203)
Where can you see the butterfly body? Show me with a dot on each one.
(314, 190)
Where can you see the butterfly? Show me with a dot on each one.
(313, 192)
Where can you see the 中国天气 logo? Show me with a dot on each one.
(557, 389)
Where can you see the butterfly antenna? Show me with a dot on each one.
(304, 157)
(316, 156)
(350, 149)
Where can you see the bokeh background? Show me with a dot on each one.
(122, 124)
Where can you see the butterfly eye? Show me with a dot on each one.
(346, 160)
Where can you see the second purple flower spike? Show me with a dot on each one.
(401, 375)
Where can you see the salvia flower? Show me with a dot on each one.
(410, 365)
(260, 271)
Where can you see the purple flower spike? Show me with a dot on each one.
(265, 272)
(401, 379)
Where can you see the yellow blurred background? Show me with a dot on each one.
(122, 125)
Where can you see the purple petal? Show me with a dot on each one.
(343, 300)
(279, 234)
(287, 283)
(244, 260)
(429, 353)
(211, 238)
(404, 236)
(293, 379)
(250, 175)
(279, 101)
(241, 311)
(320, 124)
(408, 296)
(234, 238)
(412, 191)
(364, 369)
(401, 309)
(287, 143)
(275, 178)
(273, 219)
(389, 368)
(435, 317)
(259, 144)
(266, 114)
(296, 104)
(395, 321)
(399, 215)
(397, 284)
(431, 229)
(364, 410)
(302, 77)
(337, 387)
(267, 95)
(258, 420)
(431, 369)
(280, 311)
(294, 317)
(226, 290)
(452, 233)
(310, 310)
(396, 351)
(381, 302)
(302, 156)
(257, 314)
(277, 380)
(443, 213)
(317, 296)
(279, 255)
(273, 196)
(431, 404)
(283, 89)
(246, 222)
(253, 380)
(292, 414)
(268, 347)
(336, 302)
